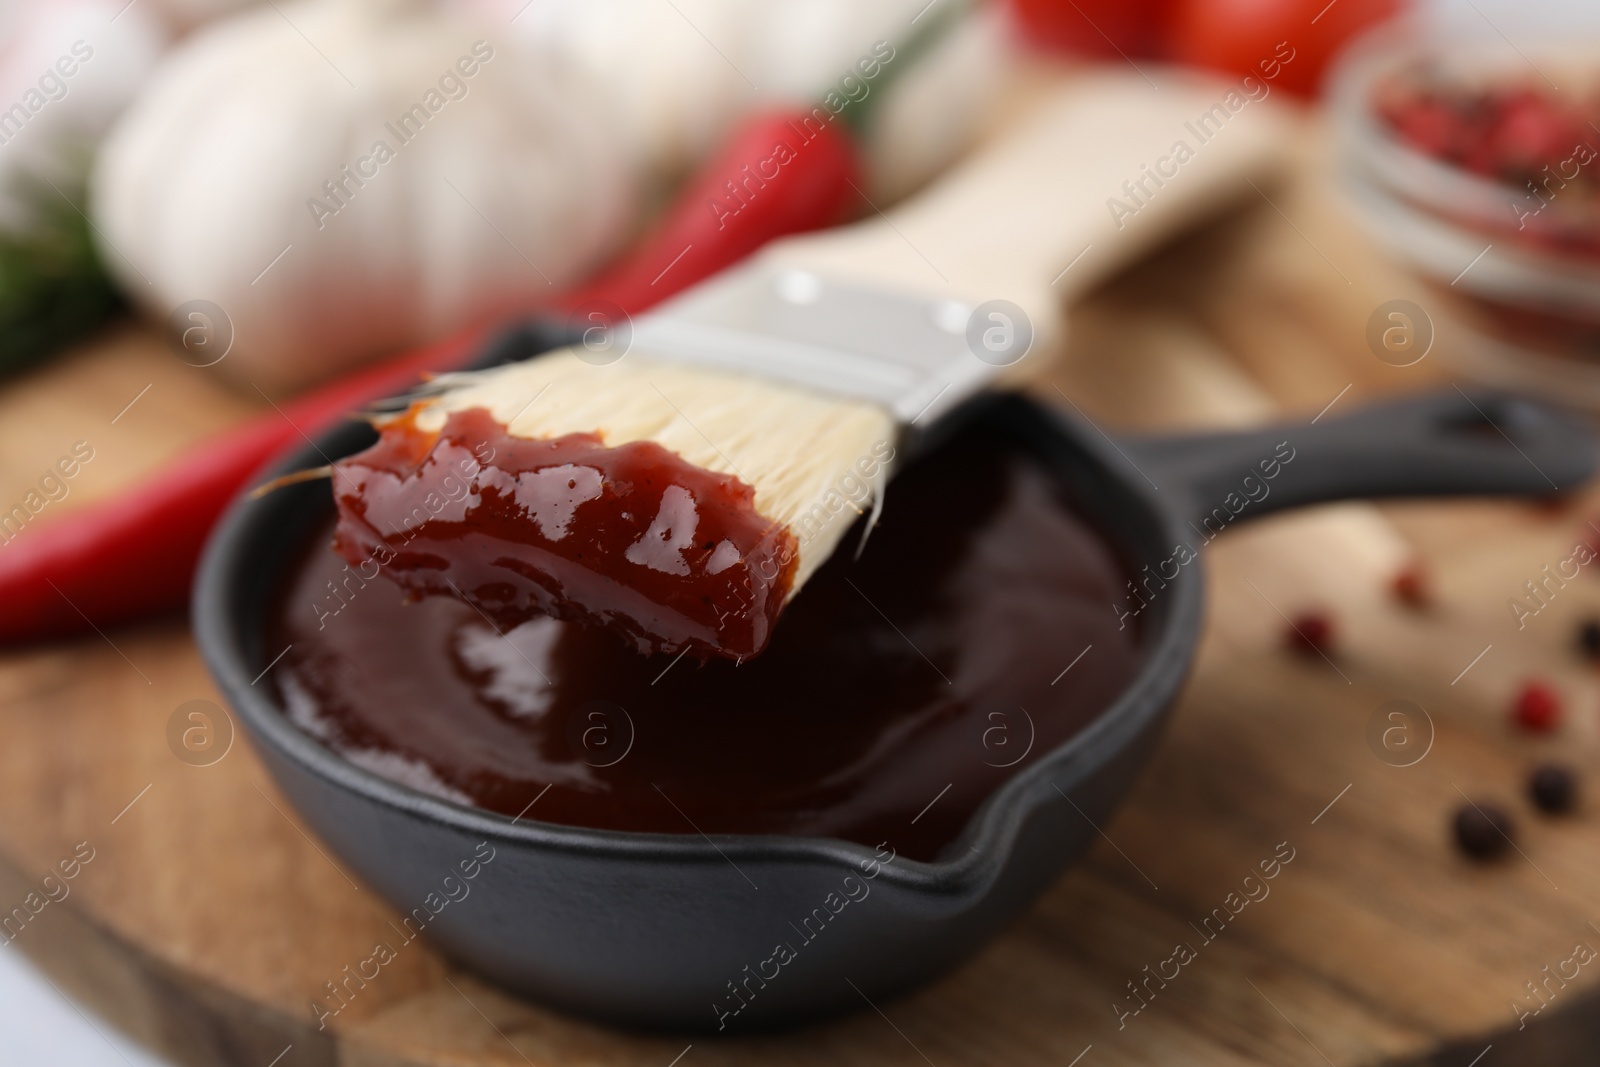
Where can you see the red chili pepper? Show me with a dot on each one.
(134, 555)
(781, 172)
(1104, 29)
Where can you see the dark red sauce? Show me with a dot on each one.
(669, 555)
(898, 692)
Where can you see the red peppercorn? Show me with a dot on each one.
(1537, 708)
(1411, 587)
(1429, 126)
(1590, 539)
(1311, 632)
(1552, 504)
(1530, 133)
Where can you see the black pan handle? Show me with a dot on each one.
(1439, 444)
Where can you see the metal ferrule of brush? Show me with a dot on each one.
(911, 354)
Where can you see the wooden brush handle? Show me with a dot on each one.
(1008, 222)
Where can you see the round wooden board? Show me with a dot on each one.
(208, 921)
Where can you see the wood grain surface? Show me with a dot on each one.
(207, 919)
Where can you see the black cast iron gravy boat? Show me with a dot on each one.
(660, 930)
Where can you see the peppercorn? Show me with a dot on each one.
(1589, 638)
(1410, 587)
(1311, 632)
(1483, 831)
(1537, 708)
(1552, 504)
(1554, 788)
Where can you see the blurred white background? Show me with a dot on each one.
(40, 1028)
(1514, 16)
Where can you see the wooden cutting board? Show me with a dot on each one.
(207, 919)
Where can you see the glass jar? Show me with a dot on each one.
(1465, 161)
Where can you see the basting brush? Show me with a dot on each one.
(679, 478)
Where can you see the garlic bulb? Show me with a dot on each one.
(67, 69)
(346, 177)
(938, 109)
(183, 16)
(671, 71)
(693, 67)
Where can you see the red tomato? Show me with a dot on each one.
(1105, 28)
(1255, 36)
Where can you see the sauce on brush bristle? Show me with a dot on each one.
(631, 537)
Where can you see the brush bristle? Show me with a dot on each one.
(815, 461)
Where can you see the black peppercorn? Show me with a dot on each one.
(1553, 788)
(1483, 831)
(1589, 638)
